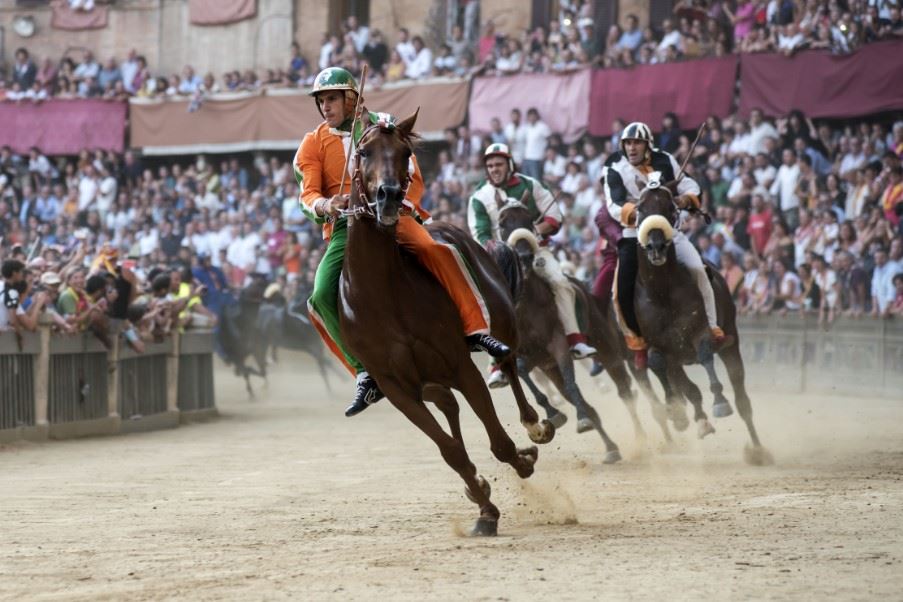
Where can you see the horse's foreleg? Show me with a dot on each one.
(246, 373)
(757, 454)
(554, 416)
(562, 377)
(622, 381)
(676, 412)
(721, 408)
(445, 401)
(659, 411)
(694, 396)
(472, 386)
(539, 432)
(407, 401)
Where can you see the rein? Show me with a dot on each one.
(366, 207)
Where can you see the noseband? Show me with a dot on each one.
(366, 207)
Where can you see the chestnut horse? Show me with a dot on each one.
(402, 325)
(669, 310)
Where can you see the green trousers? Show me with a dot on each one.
(324, 301)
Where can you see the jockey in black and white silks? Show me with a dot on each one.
(624, 176)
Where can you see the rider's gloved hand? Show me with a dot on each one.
(332, 206)
(628, 215)
(687, 201)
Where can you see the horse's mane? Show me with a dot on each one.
(509, 263)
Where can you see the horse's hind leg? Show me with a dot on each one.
(694, 396)
(471, 385)
(407, 401)
(558, 419)
(622, 381)
(676, 412)
(659, 411)
(563, 379)
(757, 454)
(721, 408)
(539, 432)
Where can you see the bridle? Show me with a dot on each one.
(675, 210)
(366, 207)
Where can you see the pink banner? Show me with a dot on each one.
(65, 17)
(562, 101)
(220, 12)
(63, 127)
(824, 85)
(692, 90)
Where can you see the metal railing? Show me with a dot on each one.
(60, 386)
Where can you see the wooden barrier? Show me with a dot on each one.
(795, 354)
(58, 387)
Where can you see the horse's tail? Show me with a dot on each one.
(525, 235)
(508, 262)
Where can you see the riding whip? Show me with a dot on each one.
(357, 110)
(680, 174)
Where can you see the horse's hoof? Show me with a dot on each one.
(542, 432)
(584, 425)
(558, 419)
(484, 485)
(704, 427)
(678, 415)
(529, 454)
(612, 457)
(485, 527)
(756, 455)
(722, 409)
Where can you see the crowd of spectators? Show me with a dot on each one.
(806, 217)
(698, 28)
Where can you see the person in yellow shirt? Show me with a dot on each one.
(318, 166)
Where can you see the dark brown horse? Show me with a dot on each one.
(544, 346)
(402, 325)
(669, 310)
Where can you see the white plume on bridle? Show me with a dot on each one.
(523, 234)
(654, 222)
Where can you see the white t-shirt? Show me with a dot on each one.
(826, 282)
(406, 51)
(791, 288)
(421, 64)
(517, 140)
(759, 134)
(536, 139)
(87, 192)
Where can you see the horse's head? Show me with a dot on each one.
(655, 214)
(513, 216)
(382, 168)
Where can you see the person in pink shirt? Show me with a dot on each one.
(743, 20)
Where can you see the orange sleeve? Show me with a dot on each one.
(415, 190)
(309, 164)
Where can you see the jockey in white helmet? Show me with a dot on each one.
(504, 185)
(625, 174)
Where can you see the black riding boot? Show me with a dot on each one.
(489, 344)
(366, 395)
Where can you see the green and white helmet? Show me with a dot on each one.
(497, 149)
(333, 78)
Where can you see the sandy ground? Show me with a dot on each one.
(285, 499)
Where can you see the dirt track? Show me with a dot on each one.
(286, 499)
